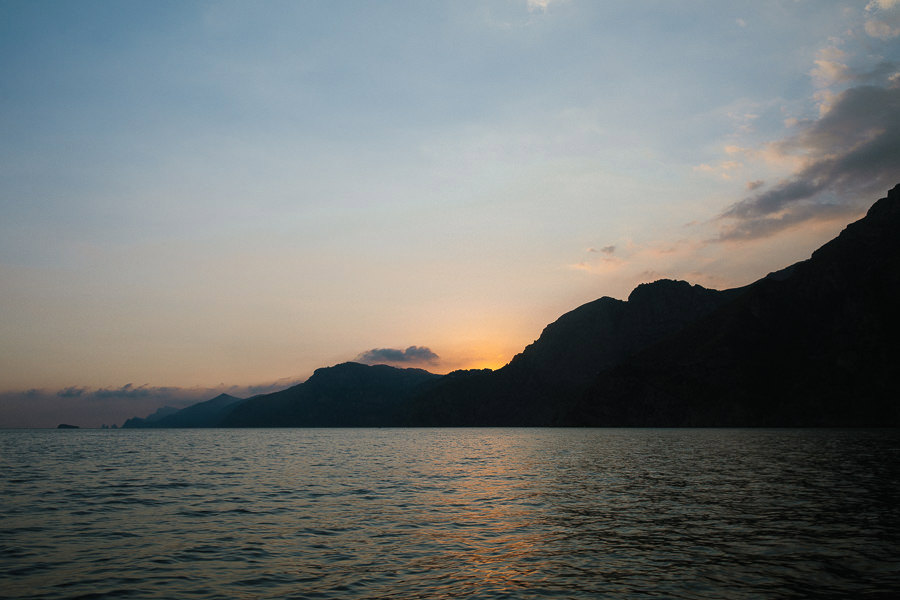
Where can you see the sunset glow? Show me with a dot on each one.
(208, 197)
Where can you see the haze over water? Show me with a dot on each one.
(480, 513)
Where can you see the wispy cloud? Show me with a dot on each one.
(130, 391)
(71, 392)
(643, 262)
(884, 19)
(830, 68)
(540, 5)
(413, 354)
(849, 154)
(724, 169)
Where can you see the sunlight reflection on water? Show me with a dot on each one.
(477, 513)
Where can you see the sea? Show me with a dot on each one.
(449, 513)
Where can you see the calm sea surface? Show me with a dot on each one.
(449, 513)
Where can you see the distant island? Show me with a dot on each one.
(812, 345)
(66, 426)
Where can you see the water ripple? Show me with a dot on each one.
(475, 513)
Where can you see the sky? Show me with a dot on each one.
(206, 197)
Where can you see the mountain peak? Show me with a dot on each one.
(813, 344)
(664, 288)
(887, 205)
(355, 369)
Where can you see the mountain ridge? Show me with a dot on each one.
(811, 344)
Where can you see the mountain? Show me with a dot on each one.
(345, 395)
(203, 414)
(814, 344)
(539, 386)
(599, 335)
(150, 420)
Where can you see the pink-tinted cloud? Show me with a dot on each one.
(850, 154)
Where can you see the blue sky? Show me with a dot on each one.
(207, 196)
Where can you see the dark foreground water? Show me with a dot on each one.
(431, 513)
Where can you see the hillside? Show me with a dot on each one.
(345, 395)
(814, 344)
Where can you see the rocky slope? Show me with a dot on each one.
(815, 344)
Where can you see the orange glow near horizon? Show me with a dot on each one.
(492, 362)
(480, 354)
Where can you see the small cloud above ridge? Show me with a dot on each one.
(413, 354)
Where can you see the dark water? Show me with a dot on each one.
(474, 513)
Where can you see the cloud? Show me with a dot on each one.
(753, 185)
(89, 407)
(608, 249)
(881, 30)
(72, 391)
(175, 394)
(885, 23)
(82, 406)
(772, 201)
(413, 354)
(603, 265)
(724, 169)
(129, 391)
(540, 5)
(848, 155)
(884, 73)
(829, 69)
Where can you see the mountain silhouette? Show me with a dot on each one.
(345, 395)
(202, 414)
(814, 344)
(541, 385)
(150, 420)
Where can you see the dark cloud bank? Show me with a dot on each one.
(413, 354)
(853, 153)
(90, 407)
